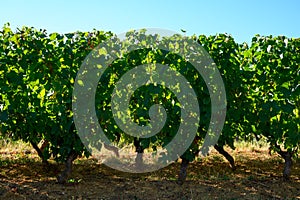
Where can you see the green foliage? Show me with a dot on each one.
(226, 54)
(274, 91)
(38, 70)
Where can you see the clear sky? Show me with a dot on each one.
(241, 18)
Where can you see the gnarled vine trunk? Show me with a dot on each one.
(63, 177)
(139, 157)
(288, 162)
(40, 150)
(228, 157)
(183, 171)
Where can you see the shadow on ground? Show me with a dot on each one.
(258, 176)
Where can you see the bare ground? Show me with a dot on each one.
(258, 176)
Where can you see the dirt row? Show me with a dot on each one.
(258, 176)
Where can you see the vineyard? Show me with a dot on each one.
(38, 73)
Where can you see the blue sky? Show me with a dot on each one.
(241, 18)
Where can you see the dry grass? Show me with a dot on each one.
(258, 176)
